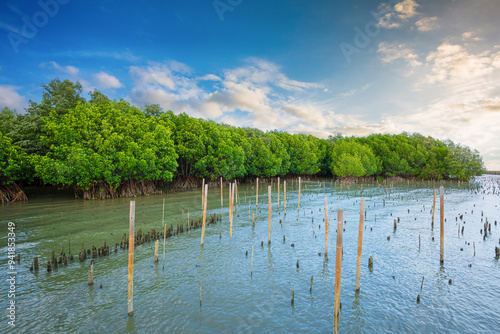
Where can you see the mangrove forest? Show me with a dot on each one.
(103, 148)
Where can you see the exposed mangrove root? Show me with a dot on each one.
(11, 193)
(127, 189)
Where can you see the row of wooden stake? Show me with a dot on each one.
(338, 259)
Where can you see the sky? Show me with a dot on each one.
(316, 67)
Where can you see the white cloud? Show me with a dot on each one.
(307, 114)
(392, 51)
(469, 36)
(71, 70)
(106, 80)
(453, 63)
(210, 77)
(398, 14)
(258, 89)
(427, 24)
(9, 97)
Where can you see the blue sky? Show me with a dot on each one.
(318, 67)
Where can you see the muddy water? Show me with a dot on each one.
(233, 300)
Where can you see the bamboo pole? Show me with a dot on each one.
(441, 216)
(433, 208)
(326, 228)
(202, 193)
(284, 193)
(204, 215)
(278, 192)
(360, 243)
(257, 194)
(236, 193)
(165, 237)
(130, 300)
(221, 197)
(91, 272)
(234, 196)
(164, 231)
(230, 209)
(298, 208)
(269, 225)
(253, 219)
(338, 269)
(69, 243)
(156, 250)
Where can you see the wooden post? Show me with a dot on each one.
(164, 237)
(200, 293)
(202, 193)
(233, 191)
(231, 208)
(269, 203)
(360, 243)
(278, 192)
(236, 193)
(298, 208)
(91, 272)
(433, 208)
(257, 194)
(204, 214)
(441, 215)
(130, 301)
(163, 212)
(156, 250)
(221, 197)
(253, 219)
(284, 193)
(338, 270)
(326, 228)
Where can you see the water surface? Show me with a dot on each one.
(235, 301)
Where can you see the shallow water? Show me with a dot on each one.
(235, 301)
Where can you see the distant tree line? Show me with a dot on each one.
(104, 148)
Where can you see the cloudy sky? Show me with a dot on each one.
(316, 67)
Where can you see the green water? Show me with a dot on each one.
(167, 301)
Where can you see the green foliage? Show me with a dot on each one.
(304, 153)
(463, 163)
(222, 158)
(105, 144)
(13, 162)
(350, 158)
(260, 160)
